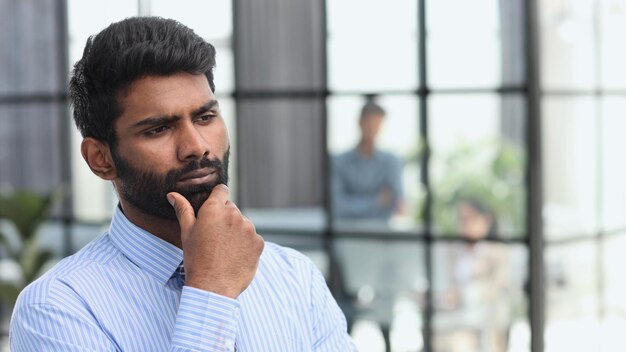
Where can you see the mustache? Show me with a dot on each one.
(176, 175)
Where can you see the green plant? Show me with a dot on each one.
(26, 211)
(491, 171)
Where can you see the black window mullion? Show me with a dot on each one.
(534, 179)
(423, 94)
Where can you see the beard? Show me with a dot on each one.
(147, 190)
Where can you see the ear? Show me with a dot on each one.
(97, 154)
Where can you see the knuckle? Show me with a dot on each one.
(249, 227)
(260, 244)
(234, 214)
(210, 202)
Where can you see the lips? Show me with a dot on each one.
(199, 176)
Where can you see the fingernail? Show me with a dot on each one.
(171, 199)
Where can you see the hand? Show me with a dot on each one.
(221, 248)
(401, 208)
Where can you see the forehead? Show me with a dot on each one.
(372, 118)
(177, 94)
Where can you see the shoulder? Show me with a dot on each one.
(291, 266)
(290, 272)
(387, 156)
(55, 285)
(345, 156)
(388, 159)
(285, 258)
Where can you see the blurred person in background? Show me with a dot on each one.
(476, 303)
(366, 181)
(367, 191)
(180, 268)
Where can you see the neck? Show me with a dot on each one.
(366, 148)
(165, 229)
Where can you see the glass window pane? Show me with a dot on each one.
(360, 179)
(479, 297)
(614, 261)
(478, 165)
(465, 46)
(372, 47)
(304, 220)
(612, 27)
(224, 73)
(86, 18)
(280, 46)
(29, 50)
(384, 285)
(281, 169)
(566, 32)
(211, 20)
(571, 297)
(30, 146)
(613, 166)
(570, 166)
(217, 31)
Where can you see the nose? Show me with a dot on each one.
(191, 144)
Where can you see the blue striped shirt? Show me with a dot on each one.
(122, 292)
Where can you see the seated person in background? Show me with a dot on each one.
(475, 220)
(480, 281)
(143, 100)
(366, 181)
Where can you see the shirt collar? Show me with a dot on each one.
(357, 155)
(151, 254)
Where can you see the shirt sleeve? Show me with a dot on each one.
(329, 324)
(205, 322)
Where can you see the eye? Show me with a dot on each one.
(206, 118)
(156, 131)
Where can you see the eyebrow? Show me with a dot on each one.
(206, 107)
(165, 119)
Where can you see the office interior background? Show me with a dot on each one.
(516, 104)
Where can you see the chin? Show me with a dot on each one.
(196, 199)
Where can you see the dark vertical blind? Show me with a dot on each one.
(32, 95)
(281, 145)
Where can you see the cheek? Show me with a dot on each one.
(219, 140)
(154, 157)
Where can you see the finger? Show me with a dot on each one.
(219, 194)
(184, 211)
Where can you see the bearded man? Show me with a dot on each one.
(180, 268)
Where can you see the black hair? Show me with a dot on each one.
(371, 108)
(483, 208)
(124, 52)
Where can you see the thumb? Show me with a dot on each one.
(184, 211)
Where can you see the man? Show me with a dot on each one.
(180, 269)
(367, 181)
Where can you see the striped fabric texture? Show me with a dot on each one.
(122, 292)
